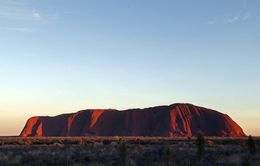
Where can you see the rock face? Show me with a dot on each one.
(172, 120)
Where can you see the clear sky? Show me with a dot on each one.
(59, 56)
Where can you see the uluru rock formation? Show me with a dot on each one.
(172, 120)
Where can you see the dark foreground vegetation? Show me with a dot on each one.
(130, 151)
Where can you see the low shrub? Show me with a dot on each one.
(251, 145)
(200, 142)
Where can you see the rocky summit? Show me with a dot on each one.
(171, 120)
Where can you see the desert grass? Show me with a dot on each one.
(118, 151)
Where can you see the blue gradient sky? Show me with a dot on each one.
(60, 56)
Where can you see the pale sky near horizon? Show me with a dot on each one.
(59, 56)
